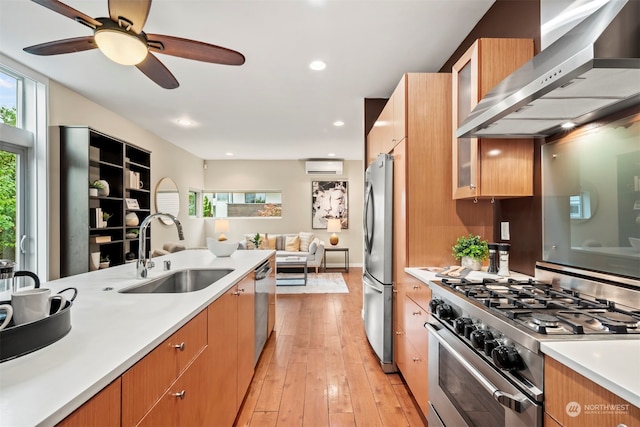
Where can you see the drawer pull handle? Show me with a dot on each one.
(395, 291)
(179, 346)
(180, 395)
(416, 287)
(417, 313)
(416, 359)
(236, 293)
(398, 333)
(240, 290)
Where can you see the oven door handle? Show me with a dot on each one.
(505, 399)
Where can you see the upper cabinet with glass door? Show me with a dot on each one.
(489, 168)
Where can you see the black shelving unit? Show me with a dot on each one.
(87, 155)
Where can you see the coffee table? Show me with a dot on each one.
(288, 263)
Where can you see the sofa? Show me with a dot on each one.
(300, 244)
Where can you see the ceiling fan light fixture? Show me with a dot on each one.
(121, 46)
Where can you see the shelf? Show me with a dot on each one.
(87, 155)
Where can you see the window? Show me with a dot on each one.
(24, 224)
(241, 204)
(193, 203)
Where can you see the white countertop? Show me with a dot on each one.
(110, 332)
(612, 364)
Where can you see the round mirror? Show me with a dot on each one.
(167, 199)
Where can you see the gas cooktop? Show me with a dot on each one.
(541, 308)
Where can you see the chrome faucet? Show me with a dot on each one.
(143, 265)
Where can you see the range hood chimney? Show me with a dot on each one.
(591, 71)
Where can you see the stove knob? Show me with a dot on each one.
(479, 337)
(434, 303)
(507, 358)
(444, 311)
(460, 323)
(489, 345)
(468, 329)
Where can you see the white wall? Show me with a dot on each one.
(289, 177)
(67, 107)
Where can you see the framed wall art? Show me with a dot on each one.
(329, 199)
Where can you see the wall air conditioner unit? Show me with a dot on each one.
(323, 167)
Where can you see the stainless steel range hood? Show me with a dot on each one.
(591, 71)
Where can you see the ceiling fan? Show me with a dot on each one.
(121, 39)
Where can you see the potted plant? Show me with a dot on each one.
(256, 240)
(472, 250)
(104, 261)
(132, 233)
(94, 188)
(105, 218)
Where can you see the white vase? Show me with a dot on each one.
(104, 192)
(93, 192)
(473, 264)
(131, 219)
(95, 261)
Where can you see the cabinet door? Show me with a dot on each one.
(399, 100)
(465, 98)
(102, 410)
(246, 335)
(223, 357)
(271, 315)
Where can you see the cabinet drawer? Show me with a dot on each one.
(415, 318)
(185, 401)
(147, 380)
(414, 368)
(420, 293)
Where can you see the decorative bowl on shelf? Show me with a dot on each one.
(221, 249)
(635, 242)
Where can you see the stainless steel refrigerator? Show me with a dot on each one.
(378, 252)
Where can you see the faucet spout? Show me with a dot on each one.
(143, 264)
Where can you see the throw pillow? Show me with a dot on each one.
(292, 244)
(270, 242)
(305, 240)
(313, 247)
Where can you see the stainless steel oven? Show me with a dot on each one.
(464, 390)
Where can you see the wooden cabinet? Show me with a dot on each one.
(391, 126)
(412, 341)
(486, 168)
(102, 410)
(231, 334)
(86, 156)
(563, 386)
(148, 381)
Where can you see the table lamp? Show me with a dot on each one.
(221, 226)
(334, 226)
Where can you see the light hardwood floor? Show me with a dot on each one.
(317, 369)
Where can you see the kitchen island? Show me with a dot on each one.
(110, 333)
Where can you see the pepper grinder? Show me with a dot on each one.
(503, 249)
(493, 258)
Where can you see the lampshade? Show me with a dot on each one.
(334, 226)
(121, 46)
(221, 226)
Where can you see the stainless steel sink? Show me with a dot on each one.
(179, 282)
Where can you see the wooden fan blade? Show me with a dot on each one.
(76, 44)
(156, 71)
(135, 11)
(192, 49)
(67, 11)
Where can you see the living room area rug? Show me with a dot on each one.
(317, 283)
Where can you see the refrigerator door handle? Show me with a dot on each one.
(368, 234)
(367, 282)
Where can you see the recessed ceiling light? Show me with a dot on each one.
(338, 123)
(228, 154)
(318, 65)
(184, 122)
(331, 154)
(568, 125)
